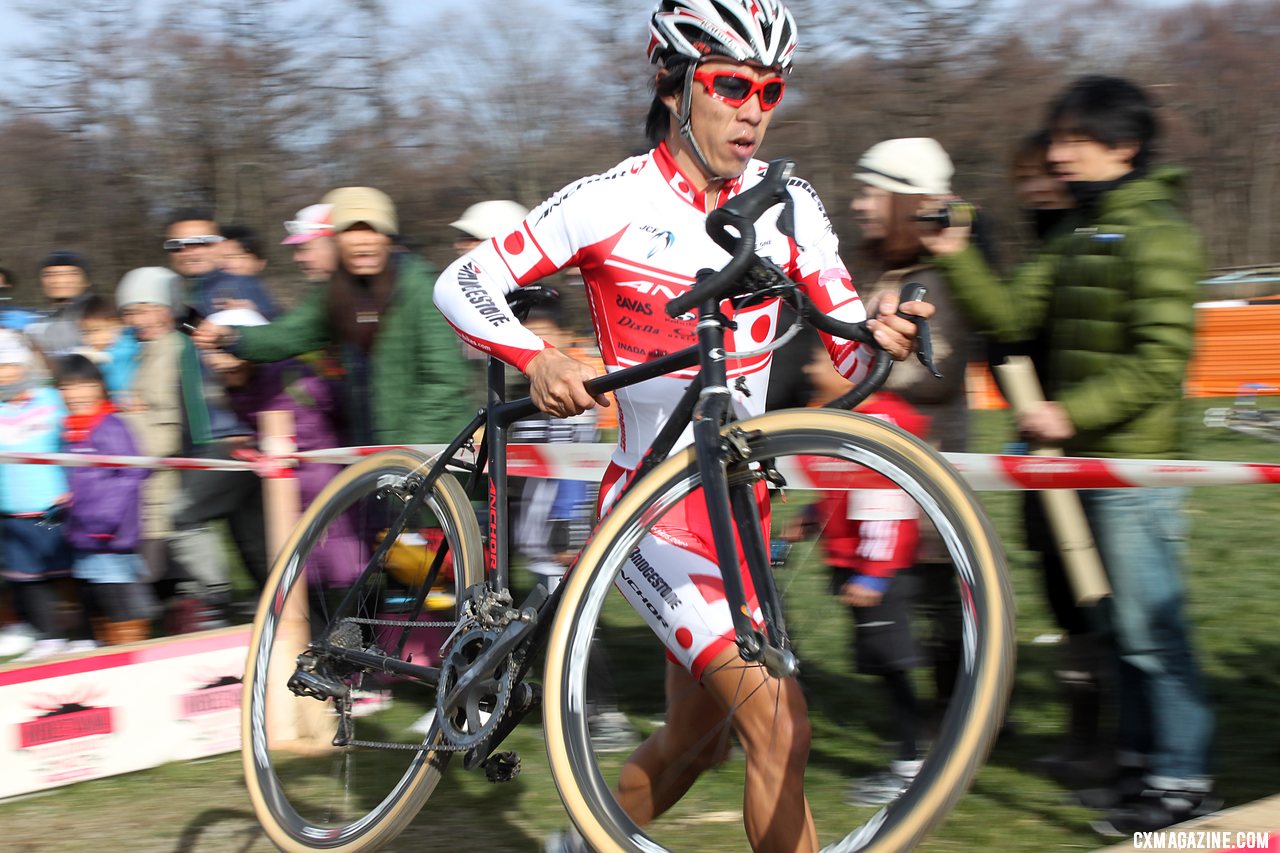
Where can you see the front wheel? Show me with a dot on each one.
(862, 475)
(309, 794)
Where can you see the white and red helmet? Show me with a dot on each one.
(760, 31)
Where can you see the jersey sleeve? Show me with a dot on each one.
(826, 282)
(472, 292)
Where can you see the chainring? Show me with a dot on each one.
(471, 717)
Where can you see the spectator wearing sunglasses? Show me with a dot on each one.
(721, 73)
(192, 239)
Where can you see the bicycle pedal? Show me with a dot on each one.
(316, 686)
(502, 767)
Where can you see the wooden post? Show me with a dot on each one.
(1066, 516)
(294, 724)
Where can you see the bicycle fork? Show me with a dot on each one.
(728, 502)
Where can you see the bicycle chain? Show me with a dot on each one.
(397, 623)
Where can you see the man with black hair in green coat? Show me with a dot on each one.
(1113, 296)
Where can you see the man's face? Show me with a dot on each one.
(729, 136)
(233, 258)
(63, 283)
(150, 321)
(872, 207)
(317, 258)
(193, 261)
(363, 251)
(1074, 157)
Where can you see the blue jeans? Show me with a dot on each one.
(1141, 535)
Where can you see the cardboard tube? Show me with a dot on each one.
(1066, 516)
(295, 724)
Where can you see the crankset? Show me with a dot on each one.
(469, 715)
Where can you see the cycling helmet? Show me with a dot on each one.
(760, 31)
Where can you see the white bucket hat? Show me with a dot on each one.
(490, 218)
(912, 166)
(154, 285)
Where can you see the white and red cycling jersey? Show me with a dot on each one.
(638, 235)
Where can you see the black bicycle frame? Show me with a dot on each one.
(730, 498)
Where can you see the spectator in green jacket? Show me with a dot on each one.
(405, 379)
(1113, 290)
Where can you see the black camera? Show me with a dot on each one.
(190, 320)
(958, 213)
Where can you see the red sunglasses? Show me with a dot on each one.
(736, 89)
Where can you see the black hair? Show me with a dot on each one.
(99, 307)
(8, 277)
(77, 368)
(1110, 110)
(246, 237)
(658, 122)
(189, 214)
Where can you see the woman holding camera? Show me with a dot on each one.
(902, 183)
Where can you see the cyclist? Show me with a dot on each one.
(637, 234)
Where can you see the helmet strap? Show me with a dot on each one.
(686, 125)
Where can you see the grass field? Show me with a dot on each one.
(1234, 589)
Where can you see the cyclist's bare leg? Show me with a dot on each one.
(693, 738)
(769, 717)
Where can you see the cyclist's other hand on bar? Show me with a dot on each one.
(896, 334)
(556, 384)
(210, 335)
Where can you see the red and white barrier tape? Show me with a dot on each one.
(90, 460)
(246, 459)
(587, 462)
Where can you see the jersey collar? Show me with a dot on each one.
(682, 186)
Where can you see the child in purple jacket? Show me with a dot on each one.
(293, 386)
(103, 523)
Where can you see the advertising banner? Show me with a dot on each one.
(120, 709)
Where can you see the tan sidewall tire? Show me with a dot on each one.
(469, 570)
(994, 656)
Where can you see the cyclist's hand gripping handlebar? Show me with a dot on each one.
(911, 292)
(733, 227)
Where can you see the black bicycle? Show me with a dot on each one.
(363, 683)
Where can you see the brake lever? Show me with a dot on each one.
(914, 291)
(787, 219)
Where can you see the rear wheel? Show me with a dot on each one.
(830, 450)
(307, 793)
